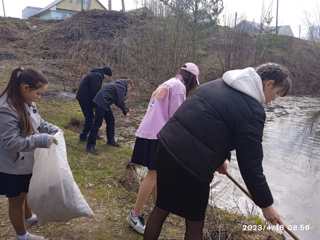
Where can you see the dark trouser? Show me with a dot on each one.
(101, 114)
(87, 110)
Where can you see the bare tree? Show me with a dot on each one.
(312, 21)
(198, 13)
(266, 16)
(199, 10)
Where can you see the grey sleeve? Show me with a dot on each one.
(122, 105)
(11, 138)
(46, 127)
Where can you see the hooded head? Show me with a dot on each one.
(265, 83)
(121, 88)
(105, 71)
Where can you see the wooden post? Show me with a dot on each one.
(277, 18)
(110, 5)
(123, 6)
(299, 31)
(4, 9)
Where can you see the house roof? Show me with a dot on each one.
(101, 4)
(56, 2)
(35, 8)
(254, 27)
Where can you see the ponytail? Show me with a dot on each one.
(15, 100)
(190, 80)
(13, 82)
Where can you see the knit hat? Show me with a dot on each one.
(104, 71)
(193, 69)
(107, 71)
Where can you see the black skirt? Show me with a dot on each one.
(178, 191)
(12, 185)
(145, 152)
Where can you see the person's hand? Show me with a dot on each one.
(272, 215)
(54, 131)
(126, 112)
(52, 140)
(223, 168)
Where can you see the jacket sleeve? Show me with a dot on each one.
(122, 105)
(10, 135)
(119, 99)
(249, 155)
(46, 127)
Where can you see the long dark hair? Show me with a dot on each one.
(190, 80)
(34, 80)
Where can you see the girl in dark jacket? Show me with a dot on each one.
(222, 115)
(88, 88)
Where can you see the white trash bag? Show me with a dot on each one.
(53, 193)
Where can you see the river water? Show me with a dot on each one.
(291, 165)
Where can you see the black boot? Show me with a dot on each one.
(113, 144)
(91, 149)
(83, 137)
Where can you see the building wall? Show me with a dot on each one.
(55, 15)
(286, 31)
(75, 5)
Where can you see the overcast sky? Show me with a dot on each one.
(291, 12)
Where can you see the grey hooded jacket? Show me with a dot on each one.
(17, 151)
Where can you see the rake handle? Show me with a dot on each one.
(249, 195)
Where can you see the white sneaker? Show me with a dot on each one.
(33, 220)
(137, 223)
(30, 236)
(34, 237)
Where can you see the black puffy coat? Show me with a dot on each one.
(114, 92)
(214, 121)
(89, 86)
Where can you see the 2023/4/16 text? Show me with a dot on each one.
(270, 227)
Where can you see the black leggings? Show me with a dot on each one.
(158, 216)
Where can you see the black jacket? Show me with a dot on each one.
(89, 86)
(214, 121)
(114, 92)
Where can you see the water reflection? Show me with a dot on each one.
(291, 165)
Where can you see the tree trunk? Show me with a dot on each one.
(123, 6)
(110, 5)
